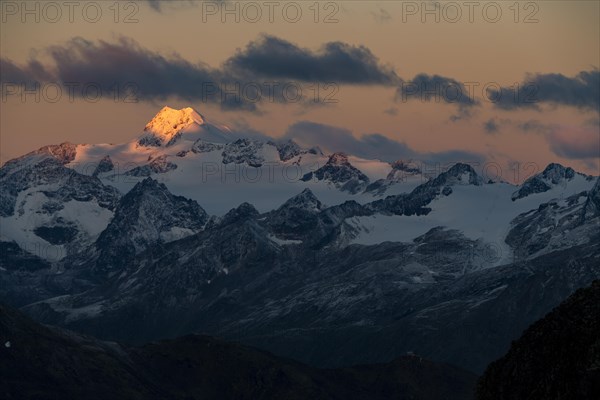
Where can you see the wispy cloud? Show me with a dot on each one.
(535, 126)
(381, 15)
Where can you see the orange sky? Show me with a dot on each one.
(565, 40)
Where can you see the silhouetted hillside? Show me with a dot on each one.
(41, 362)
(558, 357)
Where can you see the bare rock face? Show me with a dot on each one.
(592, 204)
(290, 150)
(105, 165)
(340, 173)
(296, 216)
(401, 171)
(158, 165)
(35, 168)
(244, 151)
(416, 202)
(43, 198)
(201, 146)
(147, 215)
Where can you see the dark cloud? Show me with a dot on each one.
(491, 126)
(371, 146)
(438, 89)
(104, 63)
(581, 91)
(32, 72)
(435, 88)
(243, 81)
(151, 76)
(272, 57)
(127, 66)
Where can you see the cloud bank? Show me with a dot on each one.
(372, 145)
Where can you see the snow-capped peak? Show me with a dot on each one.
(169, 119)
(459, 173)
(167, 125)
(553, 175)
(341, 173)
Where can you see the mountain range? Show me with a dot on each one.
(326, 258)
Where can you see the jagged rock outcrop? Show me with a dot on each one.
(296, 216)
(64, 152)
(201, 146)
(105, 165)
(551, 226)
(147, 215)
(561, 223)
(341, 173)
(415, 202)
(290, 149)
(243, 212)
(158, 165)
(554, 174)
(401, 171)
(591, 208)
(244, 151)
(57, 182)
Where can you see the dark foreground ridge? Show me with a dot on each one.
(558, 357)
(41, 362)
